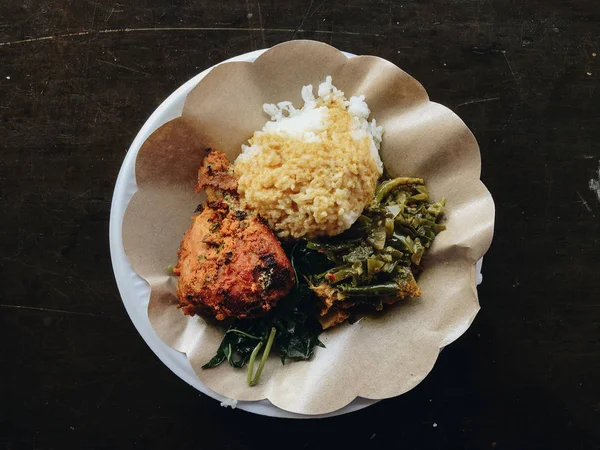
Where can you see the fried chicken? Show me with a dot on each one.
(230, 263)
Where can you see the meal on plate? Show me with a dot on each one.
(303, 231)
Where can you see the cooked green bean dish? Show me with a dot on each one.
(376, 261)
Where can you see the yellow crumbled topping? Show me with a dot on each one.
(309, 187)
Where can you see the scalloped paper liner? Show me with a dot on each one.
(382, 355)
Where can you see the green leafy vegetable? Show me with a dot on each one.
(252, 380)
(380, 254)
(290, 328)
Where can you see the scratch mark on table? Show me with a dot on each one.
(58, 291)
(28, 18)
(595, 184)
(584, 203)
(92, 290)
(509, 66)
(514, 205)
(7, 106)
(251, 29)
(122, 66)
(303, 19)
(565, 58)
(57, 311)
(260, 24)
(40, 269)
(109, 391)
(111, 12)
(184, 29)
(307, 15)
(82, 194)
(509, 119)
(87, 54)
(479, 100)
(317, 8)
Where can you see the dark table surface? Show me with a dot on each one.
(78, 78)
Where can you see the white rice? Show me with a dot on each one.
(229, 402)
(309, 121)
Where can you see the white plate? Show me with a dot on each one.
(135, 292)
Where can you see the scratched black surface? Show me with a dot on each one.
(78, 78)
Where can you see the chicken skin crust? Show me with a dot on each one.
(230, 263)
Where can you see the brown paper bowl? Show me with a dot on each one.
(381, 356)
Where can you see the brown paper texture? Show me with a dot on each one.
(382, 355)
